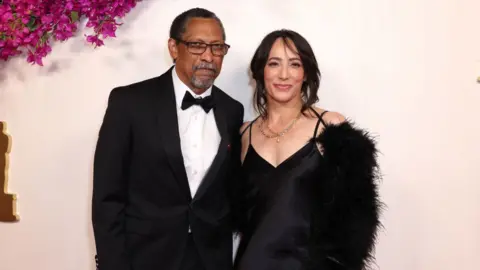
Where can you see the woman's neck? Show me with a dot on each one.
(282, 114)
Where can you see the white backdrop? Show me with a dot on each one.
(403, 69)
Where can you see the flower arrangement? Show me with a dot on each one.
(30, 26)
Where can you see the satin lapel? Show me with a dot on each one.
(168, 128)
(223, 148)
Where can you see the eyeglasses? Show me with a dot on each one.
(196, 47)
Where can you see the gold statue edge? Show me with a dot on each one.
(8, 202)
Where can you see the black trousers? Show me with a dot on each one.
(191, 259)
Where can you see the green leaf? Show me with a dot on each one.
(44, 38)
(31, 25)
(3, 36)
(74, 16)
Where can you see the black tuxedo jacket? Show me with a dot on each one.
(141, 205)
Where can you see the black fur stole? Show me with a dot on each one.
(346, 216)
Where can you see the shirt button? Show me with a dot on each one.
(194, 172)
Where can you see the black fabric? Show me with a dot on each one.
(207, 103)
(191, 259)
(142, 206)
(316, 210)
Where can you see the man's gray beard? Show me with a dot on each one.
(201, 84)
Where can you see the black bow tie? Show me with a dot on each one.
(207, 103)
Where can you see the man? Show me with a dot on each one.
(166, 152)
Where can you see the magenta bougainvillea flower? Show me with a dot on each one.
(28, 27)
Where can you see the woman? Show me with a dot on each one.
(309, 198)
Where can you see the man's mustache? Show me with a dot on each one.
(205, 65)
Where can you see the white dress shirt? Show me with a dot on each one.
(199, 135)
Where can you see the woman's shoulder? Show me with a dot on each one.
(338, 128)
(244, 127)
(330, 117)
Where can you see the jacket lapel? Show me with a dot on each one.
(168, 128)
(220, 113)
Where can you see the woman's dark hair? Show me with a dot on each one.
(312, 73)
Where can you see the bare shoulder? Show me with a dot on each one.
(244, 138)
(244, 127)
(334, 118)
(331, 117)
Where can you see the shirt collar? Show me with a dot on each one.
(180, 89)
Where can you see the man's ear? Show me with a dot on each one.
(173, 48)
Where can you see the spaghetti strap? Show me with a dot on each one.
(320, 120)
(245, 129)
(249, 127)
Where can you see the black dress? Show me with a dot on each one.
(279, 203)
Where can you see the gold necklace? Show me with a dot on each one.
(280, 134)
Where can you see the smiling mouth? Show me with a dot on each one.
(283, 87)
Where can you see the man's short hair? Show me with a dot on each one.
(179, 24)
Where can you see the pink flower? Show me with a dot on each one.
(46, 19)
(30, 25)
(109, 30)
(95, 40)
(7, 16)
